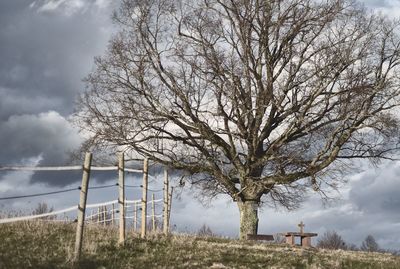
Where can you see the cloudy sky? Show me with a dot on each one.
(47, 47)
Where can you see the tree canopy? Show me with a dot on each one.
(252, 98)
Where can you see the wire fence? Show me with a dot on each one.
(106, 211)
(69, 209)
(73, 208)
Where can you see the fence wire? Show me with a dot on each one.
(55, 192)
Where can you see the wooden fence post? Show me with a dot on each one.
(144, 197)
(135, 220)
(82, 206)
(165, 205)
(153, 213)
(100, 214)
(105, 214)
(112, 215)
(170, 206)
(121, 199)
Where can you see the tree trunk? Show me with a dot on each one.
(248, 218)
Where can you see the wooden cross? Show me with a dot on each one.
(301, 225)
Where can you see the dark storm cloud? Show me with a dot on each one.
(14, 102)
(47, 138)
(369, 204)
(46, 48)
(45, 54)
(63, 178)
(377, 192)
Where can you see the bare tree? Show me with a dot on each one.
(205, 231)
(370, 244)
(331, 240)
(43, 208)
(260, 100)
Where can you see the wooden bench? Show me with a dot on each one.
(305, 238)
(260, 237)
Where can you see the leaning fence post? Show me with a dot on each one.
(169, 206)
(165, 206)
(153, 213)
(121, 199)
(144, 197)
(82, 205)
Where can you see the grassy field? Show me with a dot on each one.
(49, 245)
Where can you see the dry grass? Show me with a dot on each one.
(39, 244)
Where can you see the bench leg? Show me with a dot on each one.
(290, 239)
(306, 241)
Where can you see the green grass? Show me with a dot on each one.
(49, 245)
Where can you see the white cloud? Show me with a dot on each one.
(388, 7)
(47, 134)
(50, 5)
(102, 3)
(68, 7)
(9, 181)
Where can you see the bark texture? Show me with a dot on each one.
(248, 218)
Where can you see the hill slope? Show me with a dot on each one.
(48, 245)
